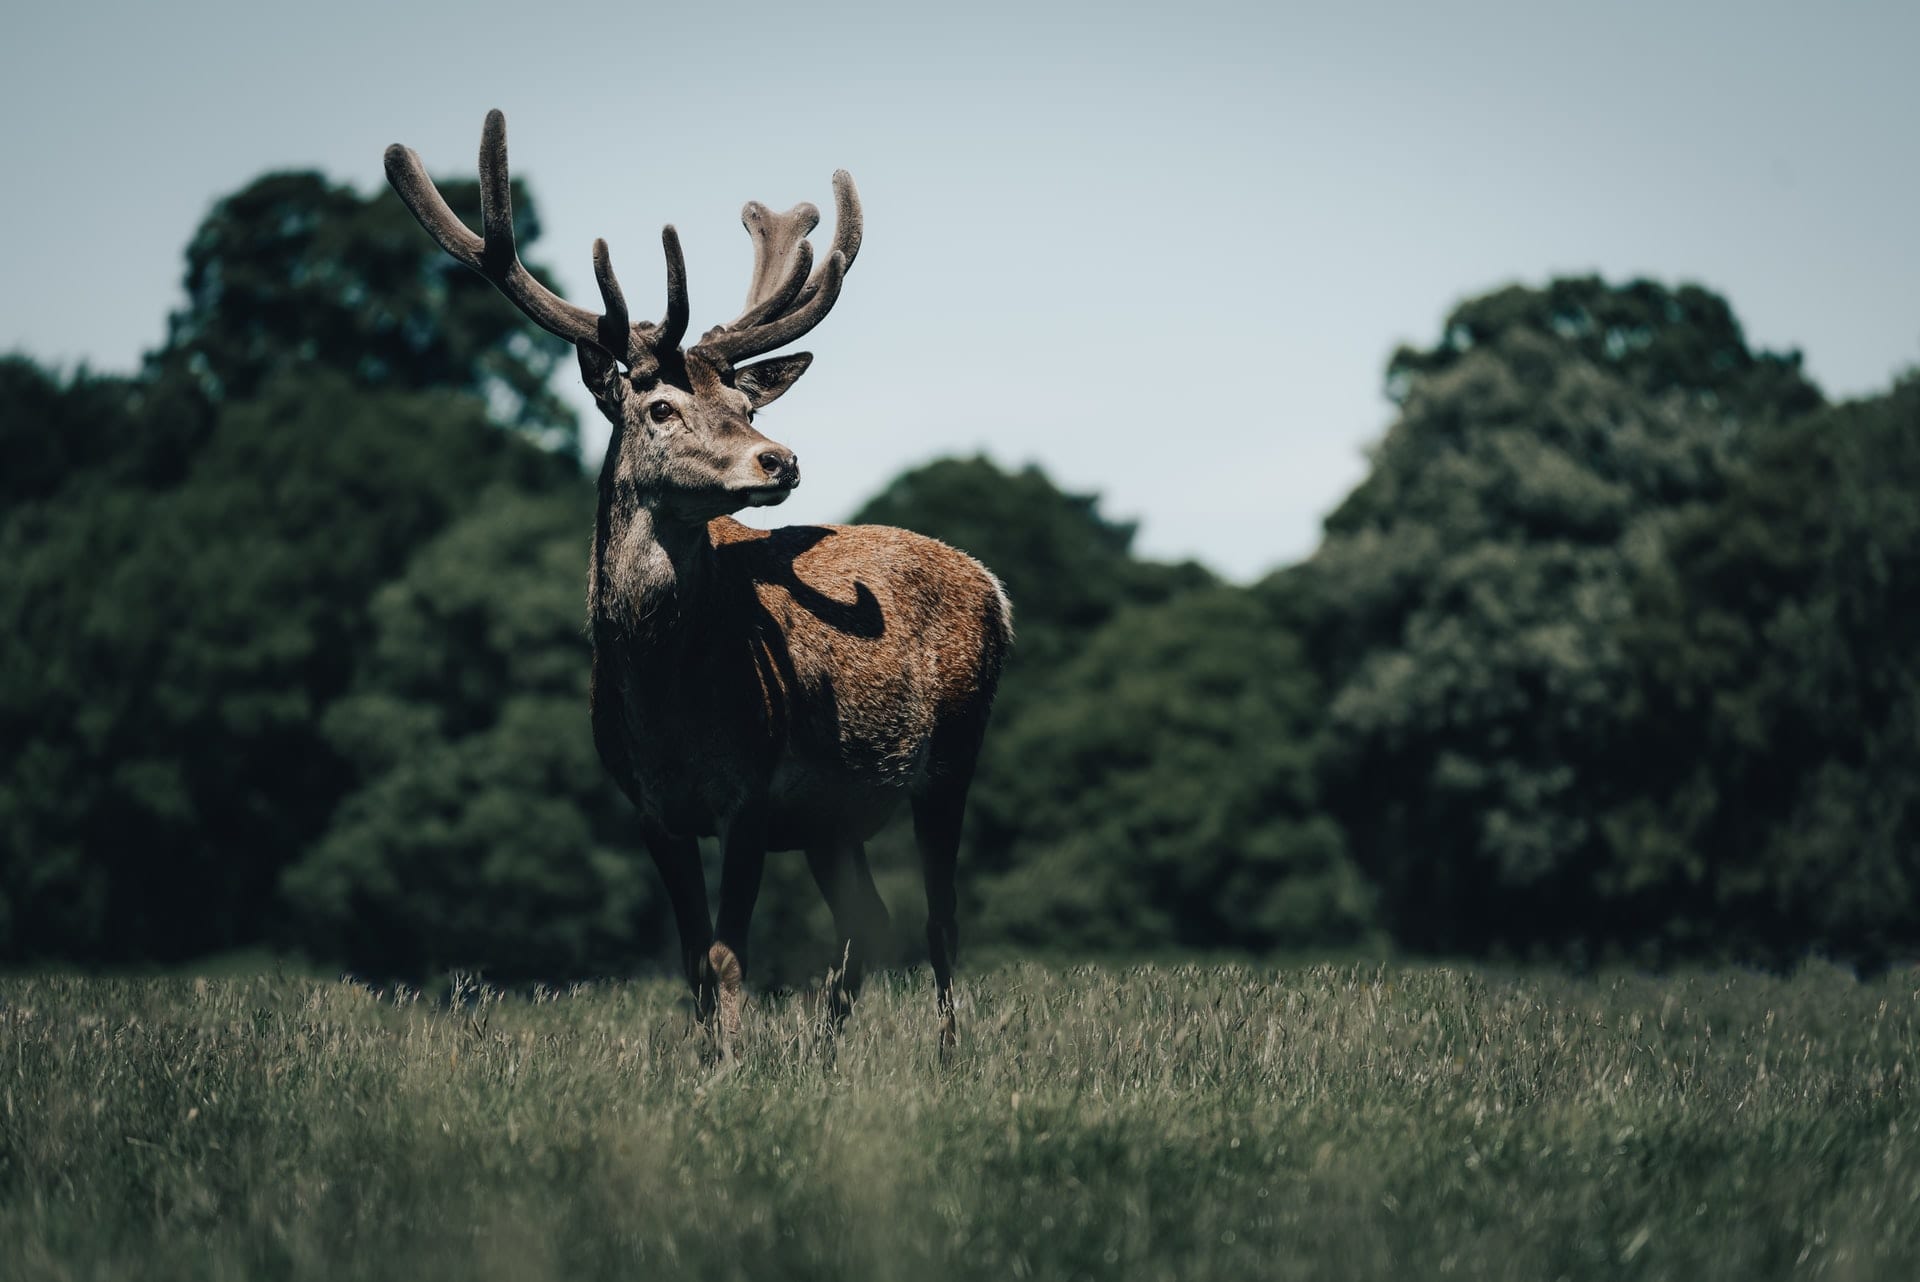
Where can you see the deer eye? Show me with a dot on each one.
(660, 411)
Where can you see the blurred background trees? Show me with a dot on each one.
(1472, 595)
(294, 273)
(1610, 655)
(1774, 804)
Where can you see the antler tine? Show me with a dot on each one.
(847, 229)
(416, 191)
(736, 345)
(674, 327)
(615, 334)
(496, 194)
(495, 255)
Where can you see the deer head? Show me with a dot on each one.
(683, 436)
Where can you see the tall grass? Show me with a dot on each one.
(1183, 1122)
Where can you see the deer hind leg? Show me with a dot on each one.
(678, 859)
(936, 830)
(860, 921)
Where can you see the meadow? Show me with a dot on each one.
(1185, 1122)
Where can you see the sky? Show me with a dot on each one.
(1165, 253)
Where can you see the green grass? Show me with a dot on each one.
(1203, 1122)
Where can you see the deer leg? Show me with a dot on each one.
(936, 830)
(744, 856)
(860, 920)
(678, 859)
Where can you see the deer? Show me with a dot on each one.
(775, 689)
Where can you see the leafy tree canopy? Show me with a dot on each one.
(1656, 337)
(169, 651)
(1159, 789)
(294, 272)
(1776, 793)
(1468, 601)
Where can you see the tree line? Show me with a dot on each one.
(1611, 655)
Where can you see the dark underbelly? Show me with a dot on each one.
(795, 820)
(812, 791)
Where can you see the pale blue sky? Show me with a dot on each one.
(1164, 253)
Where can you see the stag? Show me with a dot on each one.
(777, 689)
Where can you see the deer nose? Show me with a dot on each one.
(780, 464)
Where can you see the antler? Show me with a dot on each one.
(783, 301)
(496, 257)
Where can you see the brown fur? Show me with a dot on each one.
(811, 670)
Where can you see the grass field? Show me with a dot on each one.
(1171, 1122)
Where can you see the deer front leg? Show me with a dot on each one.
(860, 921)
(743, 857)
(678, 859)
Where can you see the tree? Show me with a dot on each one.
(85, 431)
(293, 272)
(1660, 339)
(1776, 803)
(1467, 603)
(169, 650)
(192, 553)
(1165, 794)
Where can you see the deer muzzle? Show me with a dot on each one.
(781, 465)
(781, 468)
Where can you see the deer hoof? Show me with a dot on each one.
(726, 973)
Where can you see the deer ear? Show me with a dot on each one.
(600, 372)
(765, 381)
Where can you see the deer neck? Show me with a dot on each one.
(651, 573)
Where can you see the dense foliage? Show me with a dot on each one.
(1614, 651)
(1614, 630)
(189, 589)
(170, 652)
(294, 272)
(1159, 789)
(1775, 799)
